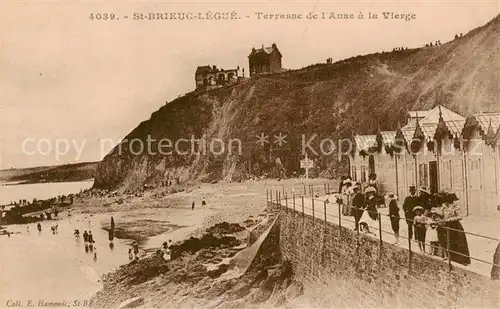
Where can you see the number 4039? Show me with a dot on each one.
(102, 16)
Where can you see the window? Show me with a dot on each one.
(423, 173)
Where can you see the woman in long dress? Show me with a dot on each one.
(452, 214)
(370, 213)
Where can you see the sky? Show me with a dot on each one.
(71, 87)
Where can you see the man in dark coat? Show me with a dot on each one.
(410, 202)
(357, 206)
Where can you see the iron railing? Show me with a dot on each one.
(296, 203)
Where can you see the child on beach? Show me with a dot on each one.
(419, 222)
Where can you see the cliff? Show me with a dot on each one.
(330, 100)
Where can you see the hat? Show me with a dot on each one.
(418, 208)
(451, 197)
(370, 190)
(424, 189)
(391, 195)
(412, 187)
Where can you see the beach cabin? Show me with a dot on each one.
(481, 158)
(439, 149)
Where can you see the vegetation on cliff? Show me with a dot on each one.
(330, 101)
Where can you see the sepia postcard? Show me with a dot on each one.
(249, 154)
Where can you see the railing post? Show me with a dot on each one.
(302, 205)
(293, 197)
(380, 229)
(324, 210)
(271, 195)
(340, 220)
(267, 196)
(448, 247)
(312, 199)
(304, 189)
(409, 254)
(324, 186)
(279, 198)
(286, 201)
(276, 197)
(283, 189)
(328, 188)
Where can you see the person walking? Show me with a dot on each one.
(358, 202)
(85, 237)
(420, 224)
(394, 215)
(39, 227)
(192, 206)
(135, 245)
(370, 212)
(91, 241)
(409, 203)
(346, 211)
(112, 224)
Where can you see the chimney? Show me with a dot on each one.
(214, 68)
(274, 45)
(262, 46)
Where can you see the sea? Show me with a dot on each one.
(43, 267)
(14, 191)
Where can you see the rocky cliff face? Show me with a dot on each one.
(324, 100)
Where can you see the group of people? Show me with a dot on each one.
(203, 203)
(362, 206)
(434, 220)
(430, 217)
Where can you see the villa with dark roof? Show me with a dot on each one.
(211, 76)
(265, 60)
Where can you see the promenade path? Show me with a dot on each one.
(479, 248)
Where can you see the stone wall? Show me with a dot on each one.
(379, 274)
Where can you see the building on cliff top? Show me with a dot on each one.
(265, 60)
(438, 149)
(211, 77)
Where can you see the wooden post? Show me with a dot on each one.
(328, 188)
(276, 197)
(324, 186)
(304, 189)
(283, 189)
(293, 197)
(302, 205)
(448, 247)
